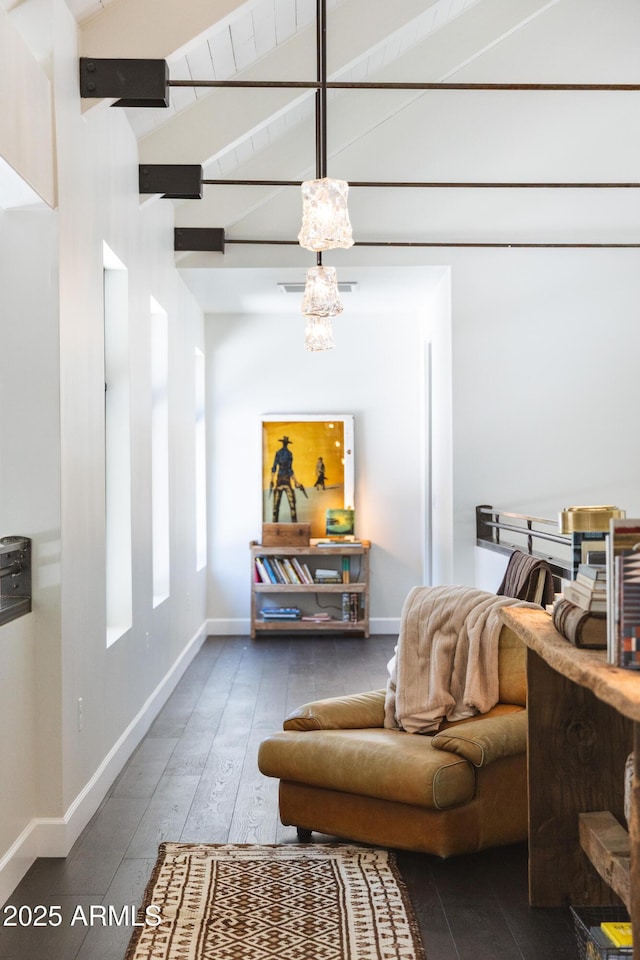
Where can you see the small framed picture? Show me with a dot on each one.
(307, 468)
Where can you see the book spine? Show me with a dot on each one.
(261, 570)
(270, 571)
(290, 571)
(354, 609)
(279, 570)
(299, 570)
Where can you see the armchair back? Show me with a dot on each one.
(512, 668)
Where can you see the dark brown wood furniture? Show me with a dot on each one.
(584, 720)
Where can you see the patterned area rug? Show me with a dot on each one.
(275, 902)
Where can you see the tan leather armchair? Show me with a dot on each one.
(464, 789)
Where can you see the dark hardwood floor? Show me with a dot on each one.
(195, 778)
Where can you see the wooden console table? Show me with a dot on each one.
(584, 720)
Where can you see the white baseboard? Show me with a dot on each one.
(54, 837)
(242, 627)
(17, 860)
(382, 625)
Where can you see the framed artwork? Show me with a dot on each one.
(307, 468)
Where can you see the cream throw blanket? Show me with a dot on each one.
(446, 660)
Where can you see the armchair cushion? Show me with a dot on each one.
(358, 711)
(385, 764)
(486, 739)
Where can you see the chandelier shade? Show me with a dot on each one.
(325, 215)
(321, 296)
(318, 334)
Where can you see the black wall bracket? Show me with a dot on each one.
(175, 181)
(199, 238)
(137, 83)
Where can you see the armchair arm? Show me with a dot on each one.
(358, 711)
(483, 741)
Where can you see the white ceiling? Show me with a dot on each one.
(384, 135)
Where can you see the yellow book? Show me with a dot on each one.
(619, 932)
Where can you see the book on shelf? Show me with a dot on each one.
(317, 617)
(606, 948)
(281, 613)
(290, 572)
(593, 571)
(279, 570)
(338, 542)
(579, 626)
(350, 607)
(595, 587)
(283, 569)
(593, 578)
(618, 932)
(585, 598)
(300, 571)
(261, 571)
(266, 562)
(330, 575)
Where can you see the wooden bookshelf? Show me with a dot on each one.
(313, 598)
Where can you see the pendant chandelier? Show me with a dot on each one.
(325, 217)
(321, 297)
(318, 334)
(321, 302)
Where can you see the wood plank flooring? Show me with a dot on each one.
(195, 778)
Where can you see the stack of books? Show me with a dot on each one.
(580, 614)
(589, 589)
(281, 613)
(327, 576)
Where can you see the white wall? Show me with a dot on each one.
(29, 506)
(257, 364)
(544, 383)
(542, 408)
(52, 476)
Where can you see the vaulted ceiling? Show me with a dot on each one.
(463, 136)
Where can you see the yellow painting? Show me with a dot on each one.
(307, 468)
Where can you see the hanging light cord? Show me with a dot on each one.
(321, 96)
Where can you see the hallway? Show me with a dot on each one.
(194, 778)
